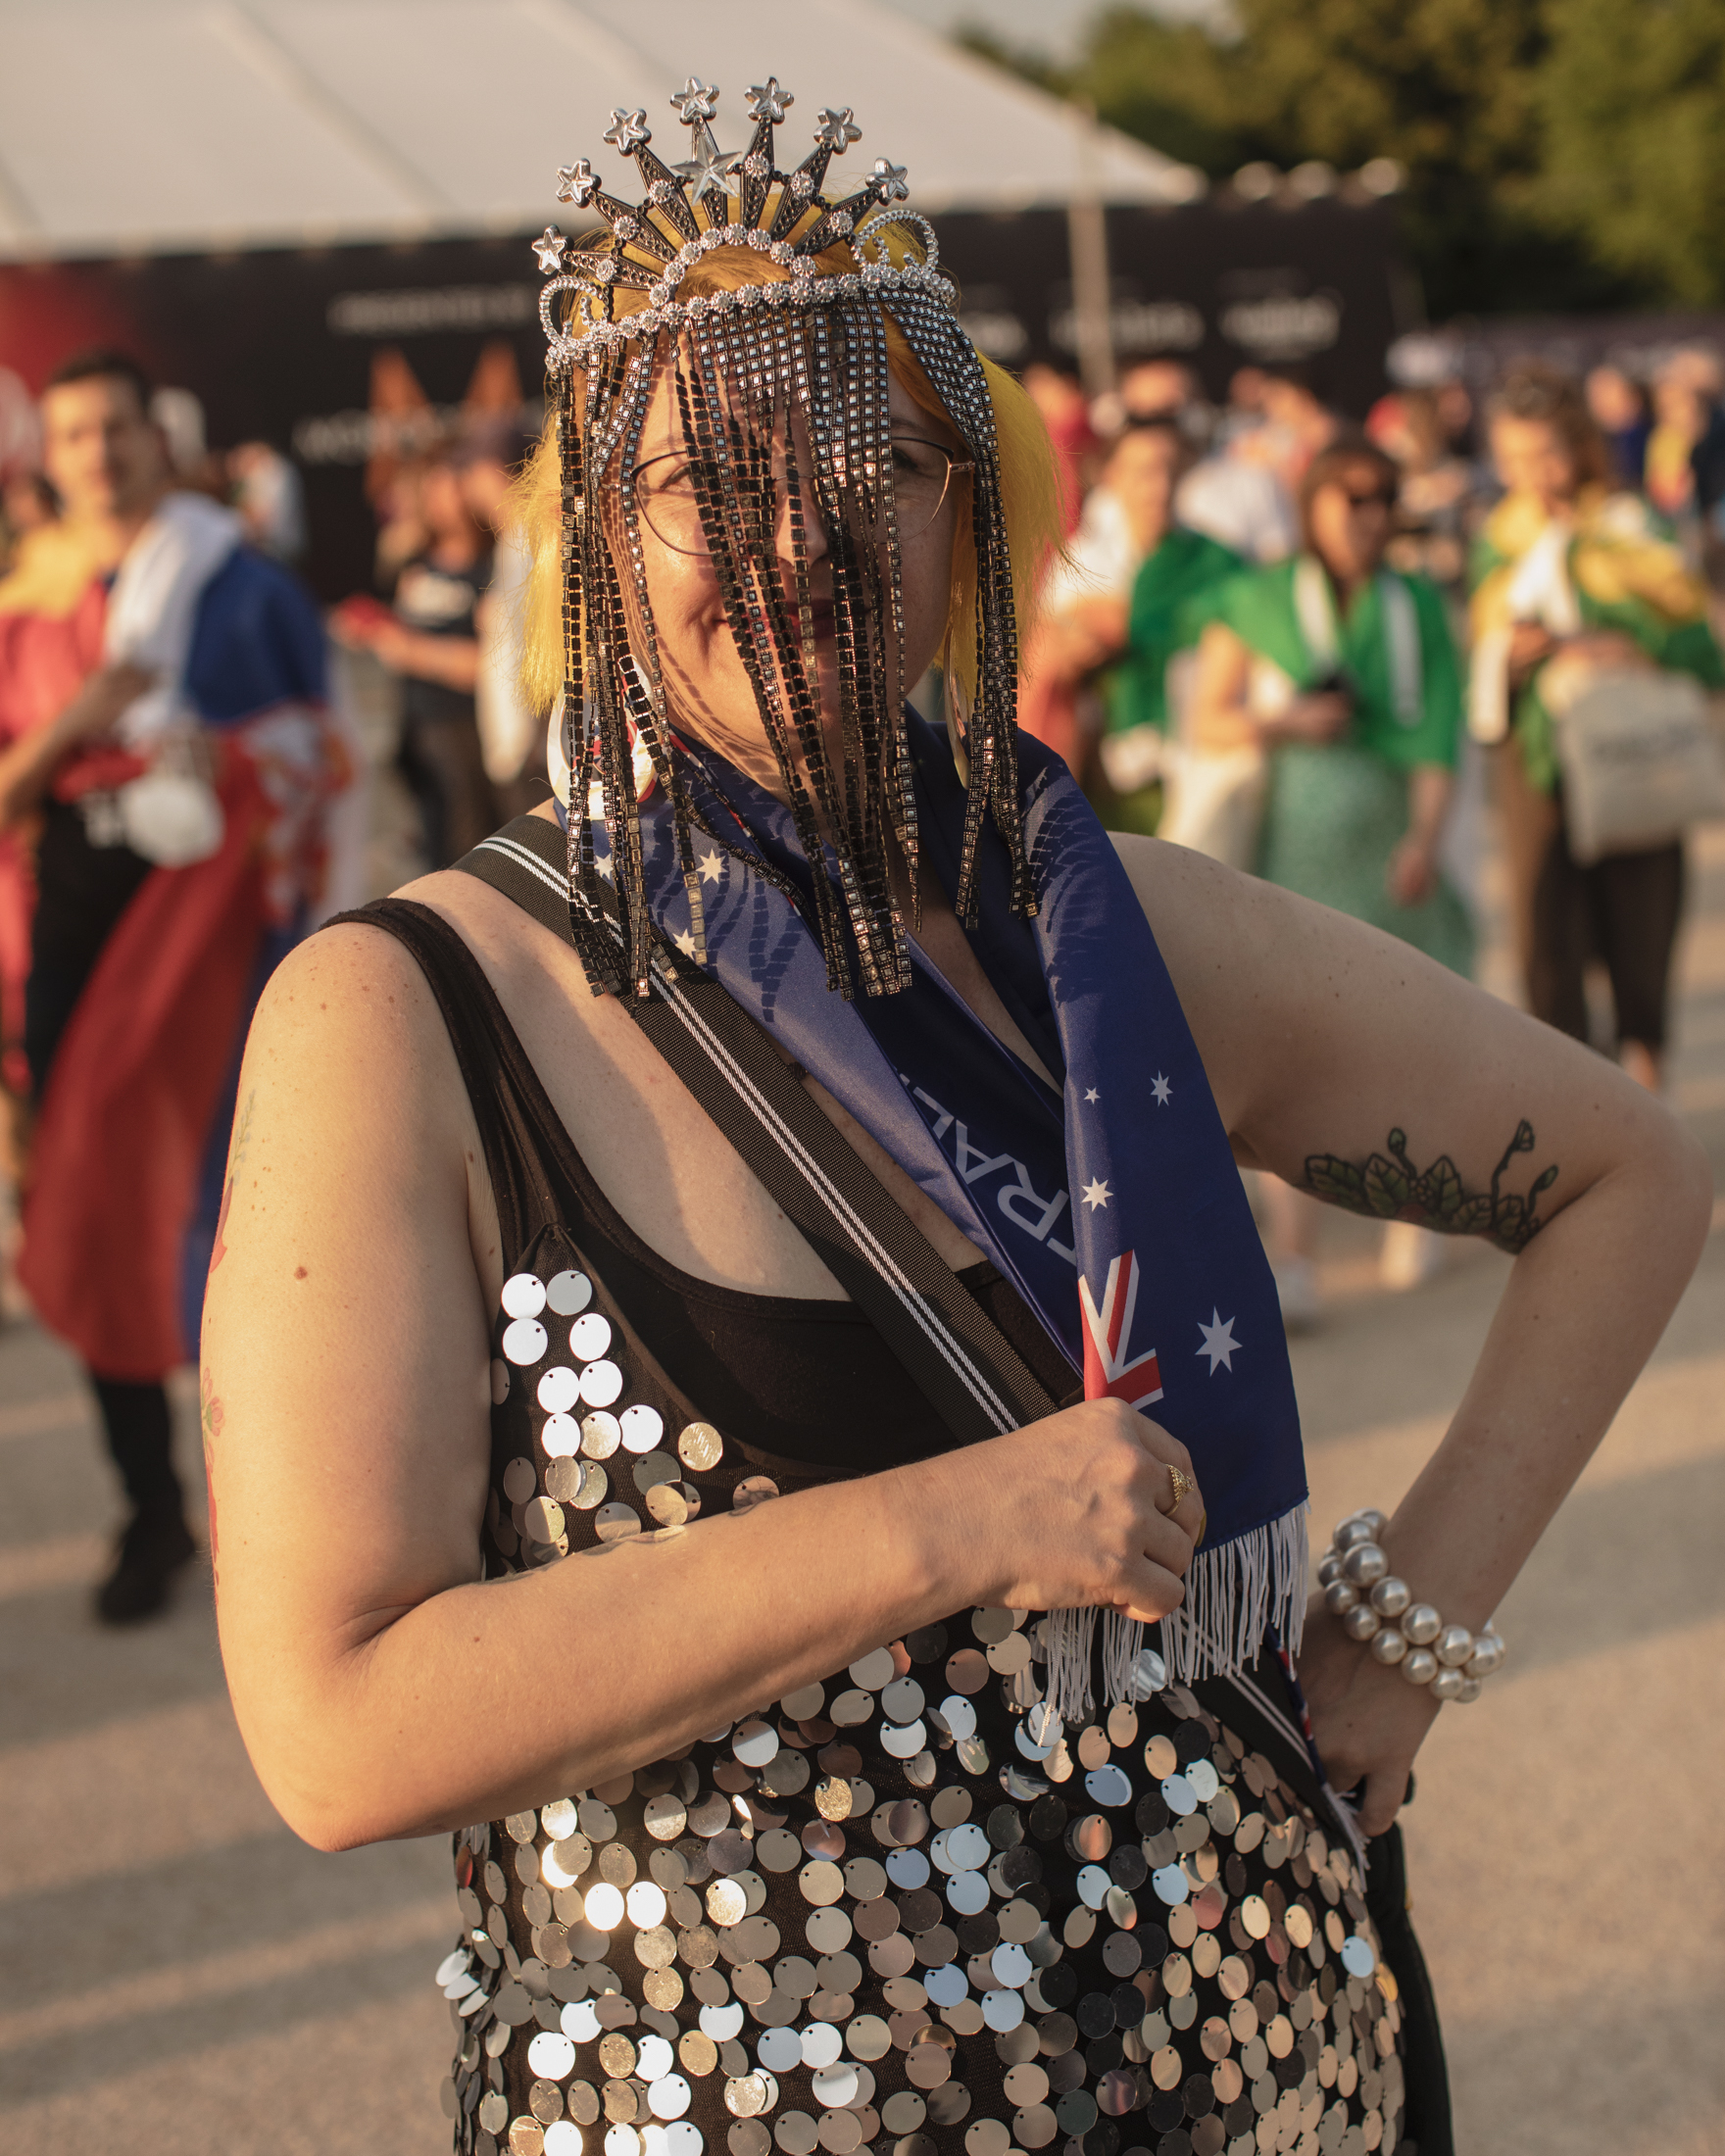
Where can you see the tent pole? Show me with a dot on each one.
(1086, 242)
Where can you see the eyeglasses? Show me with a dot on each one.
(665, 488)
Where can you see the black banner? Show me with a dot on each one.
(338, 354)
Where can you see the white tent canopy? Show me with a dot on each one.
(176, 125)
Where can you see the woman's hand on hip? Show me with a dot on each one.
(1078, 1509)
(1366, 1719)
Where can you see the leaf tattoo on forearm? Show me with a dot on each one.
(1394, 1189)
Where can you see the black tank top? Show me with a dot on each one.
(878, 1912)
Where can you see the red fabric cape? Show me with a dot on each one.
(135, 1087)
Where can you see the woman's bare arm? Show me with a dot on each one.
(381, 1688)
(1341, 1059)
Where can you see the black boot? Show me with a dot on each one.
(157, 1542)
(151, 1550)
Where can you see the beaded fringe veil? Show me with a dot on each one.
(779, 396)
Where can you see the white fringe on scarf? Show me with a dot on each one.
(1235, 1595)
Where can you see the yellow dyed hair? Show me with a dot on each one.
(1028, 483)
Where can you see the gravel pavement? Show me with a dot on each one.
(183, 1976)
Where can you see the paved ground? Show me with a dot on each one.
(181, 1976)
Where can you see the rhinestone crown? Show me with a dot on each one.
(717, 198)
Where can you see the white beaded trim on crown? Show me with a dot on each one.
(804, 288)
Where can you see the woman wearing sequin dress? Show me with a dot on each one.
(684, 1533)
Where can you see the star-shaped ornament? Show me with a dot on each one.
(711, 167)
(695, 102)
(1219, 1343)
(767, 101)
(711, 866)
(1096, 1194)
(1093, 1096)
(890, 181)
(837, 130)
(686, 943)
(629, 131)
(1162, 1092)
(549, 247)
(576, 183)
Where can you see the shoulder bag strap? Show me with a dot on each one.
(960, 1359)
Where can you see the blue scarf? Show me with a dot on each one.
(1115, 1207)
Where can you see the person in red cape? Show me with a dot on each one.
(165, 764)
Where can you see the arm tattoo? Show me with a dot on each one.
(1394, 1189)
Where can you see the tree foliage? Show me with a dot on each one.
(1560, 153)
(1631, 105)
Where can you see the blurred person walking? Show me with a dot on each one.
(1343, 673)
(512, 727)
(1575, 581)
(1619, 407)
(164, 769)
(1066, 412)
(1438, 490)
(432, 641)
(1244, 495)
(1114, 616)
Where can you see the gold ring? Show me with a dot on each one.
(1181, 1483)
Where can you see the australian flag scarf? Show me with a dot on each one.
(1114, 1206)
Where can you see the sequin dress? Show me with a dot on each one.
(878, 1912)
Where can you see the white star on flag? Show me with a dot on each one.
(1162, 1092)
(1095, 1193)
(1093, 1095)
(712, 867)
(1219, 1343)
(686, 943)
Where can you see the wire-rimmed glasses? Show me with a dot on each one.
(665, 488)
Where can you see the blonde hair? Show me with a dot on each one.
(1029, 486)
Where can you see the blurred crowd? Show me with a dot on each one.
(1326, 653)
(1322, 651)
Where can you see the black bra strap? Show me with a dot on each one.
(960, 1359)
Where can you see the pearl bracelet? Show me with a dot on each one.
(1376, 1607)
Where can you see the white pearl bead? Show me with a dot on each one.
(1471, 1688)
(1391, 1597)
(1329, 1568)
(1364, 1564)
(1387, 1646)
(1421, 1624)
(1354, 1530)
(1340, 1598)
(1487, 1653)
(1362, 1622)
(1448, 1684)
(1454, 1646)
(1421, 1667)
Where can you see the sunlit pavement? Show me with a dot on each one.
(183, 1976)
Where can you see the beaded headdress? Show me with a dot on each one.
(801, 359)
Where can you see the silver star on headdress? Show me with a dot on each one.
(549, 247)
(629, 131)
(576, 183)
(890, 181)
(767, 101)
(711, 167)
(696, 102)
(837, 130)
